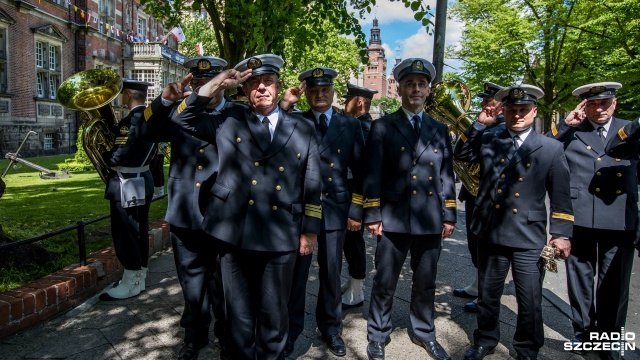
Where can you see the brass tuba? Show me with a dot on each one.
(92, 92)
(449, 102)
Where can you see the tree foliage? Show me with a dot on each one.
(555, 45)
(387, 105)
(197, 28)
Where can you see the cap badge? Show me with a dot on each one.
(318, 73)
(597, 89)
(124, 130)
(204, 64)
(516, 93)
(254, 63)
(417, 65)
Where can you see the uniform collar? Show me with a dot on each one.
(328, 114)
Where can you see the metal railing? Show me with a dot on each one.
(79, 226)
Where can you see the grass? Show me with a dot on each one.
(32, 206)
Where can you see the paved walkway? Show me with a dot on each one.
(147, 327)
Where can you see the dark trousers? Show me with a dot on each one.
(391, 253)
(257, 286)
(608, 256)
(528, 273)
(195, 255)
(329, 304)
(157, 170)
(472, 239)
(130, 233)
(355, 253)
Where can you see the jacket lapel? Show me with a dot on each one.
(427, 132)
(336, 127)
(281, 134)
(530, 144)
(404, 127)
(504, 142)
(258, 130)
(587, 134)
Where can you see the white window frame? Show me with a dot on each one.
(48, 56)
(4, 61)
(142, 33)
(48, 141)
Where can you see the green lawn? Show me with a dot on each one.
(32, 206)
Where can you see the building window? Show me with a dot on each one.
(148, 76)
(48, 71)
(107, 7)
(128, 14)
(48, 141)
(60, 2)
(142, 28)
(4, 67)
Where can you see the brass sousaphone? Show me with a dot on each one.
(92, 91)
(449, 103)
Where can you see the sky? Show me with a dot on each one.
(402, 36)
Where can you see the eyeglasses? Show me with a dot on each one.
(410, 84)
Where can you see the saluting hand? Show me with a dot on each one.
(175, 90)
(292, 95)
(489, 114)
(308, 243)
(228, 79)
(578, 114)
(562, 246)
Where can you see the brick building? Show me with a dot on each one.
(43, 42)
(375, 73)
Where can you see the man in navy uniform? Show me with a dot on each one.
(193, 163)
(340, 145)
(604, 191)
(492, 114)
(129, 158)
(265, 204)
(357, 104)
(410, 204)
(519, 168)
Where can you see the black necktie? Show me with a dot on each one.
(416, 124)
(265, 122)
(515, 142)
(323, 124)
(601, 133)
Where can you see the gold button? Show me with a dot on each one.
(599, 159)
(618, 192)
(502, 176)
(499, 191)
(402, 148)
(250, 202)
(516, 195)
(253, 182)
(338, 151)
(326, 194)
(274, 207)
(413, 163)
(329, 179)
(414, 192)
(201, 151)
(435, 151)
(501, 160)
(497, 206)
(197, 185)
(281, 169)
(520, 180)
(430, 178)
(430, 193)
(618, 160)
(238, 140)
(298, 155)
(431, 163)
(199, 167)
(598, 173)
(331, 164)
(528, 165)
(588, 147)
(515, 211)
(278, 187)
(597, 189)
(256, 164)
(414, 177)
(619, 174)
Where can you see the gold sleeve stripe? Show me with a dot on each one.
(182, 106)
(450, 203)
(562, 216)
(554, 131)
(313, 214)
(371, 203)
(313, 211)
(463, 138)
(621, 134)
(357, 199)
(313, 207)
(147, 113)
(121, 140)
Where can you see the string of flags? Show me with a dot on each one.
(90, 18)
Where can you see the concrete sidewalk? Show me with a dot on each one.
(147, 327)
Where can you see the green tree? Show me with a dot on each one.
(197, 28)
(387, 105)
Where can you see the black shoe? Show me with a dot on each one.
(433, 349)
(288, 347)
(477, 352)
(189, 351)
(335, 344)
(375, 350)
(471, 307)
(463, 294)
